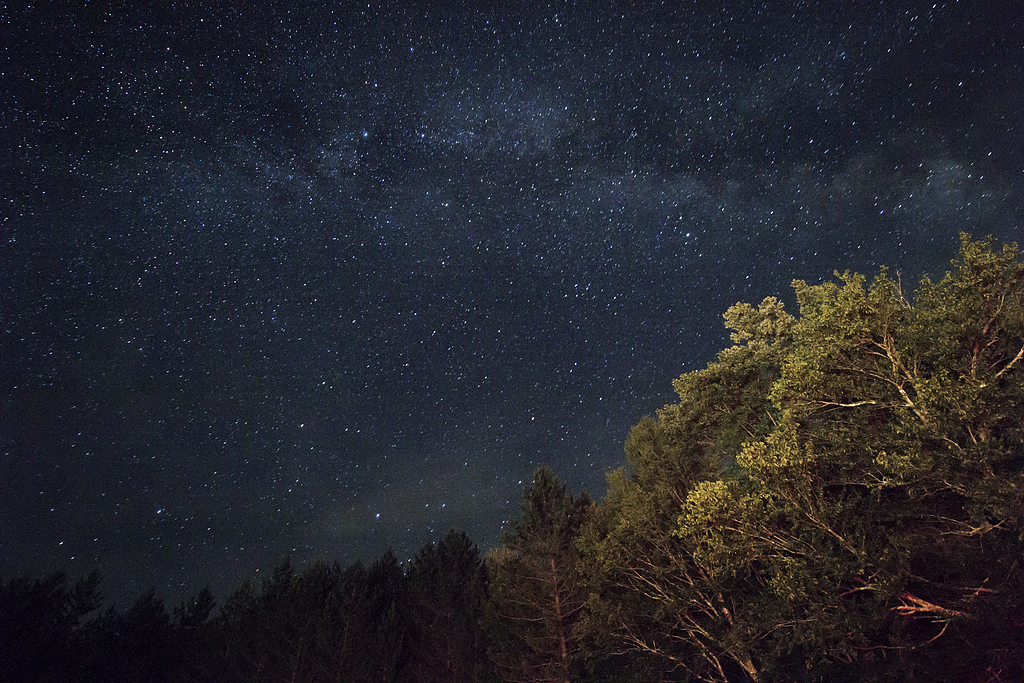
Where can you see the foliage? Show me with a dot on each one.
(323, 624)
(448, 581)
(536, 596)
(317, 625)
(838, 494)
(648, 597)
(40, 621)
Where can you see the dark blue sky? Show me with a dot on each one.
(318, 281)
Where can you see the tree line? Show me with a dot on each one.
(839, 496)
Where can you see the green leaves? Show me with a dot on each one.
(833, 486)
(764, 327)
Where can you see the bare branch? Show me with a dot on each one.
(916, 607)
(1020, 354)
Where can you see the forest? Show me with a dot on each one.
(839, 496)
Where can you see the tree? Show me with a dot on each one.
(40, 623)
(324, 624)
(252, 631)
(386, 627)
(448, 584)
(536, 596)
(838, 494)
(144, 641)
(650, 600)
(899, 457)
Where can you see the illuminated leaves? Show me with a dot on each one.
(833, 486)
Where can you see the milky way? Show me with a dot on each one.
(317, 282)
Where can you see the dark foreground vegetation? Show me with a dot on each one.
(838, 497)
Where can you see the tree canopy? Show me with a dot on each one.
(839, 491)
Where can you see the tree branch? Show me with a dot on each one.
(1020, 354)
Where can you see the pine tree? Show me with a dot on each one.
(536, 596)
(448, 584)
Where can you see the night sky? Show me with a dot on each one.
(328, 278)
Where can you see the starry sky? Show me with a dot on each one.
(316, 279)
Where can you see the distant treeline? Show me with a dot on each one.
(838, 497)
(379, 623)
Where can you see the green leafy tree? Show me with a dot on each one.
(899, 460)
(837, 495)
(536, 596)
(650, 602)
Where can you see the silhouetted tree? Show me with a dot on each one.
(39, 626)
(448, 585)
(144, 641)
(536, 597)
